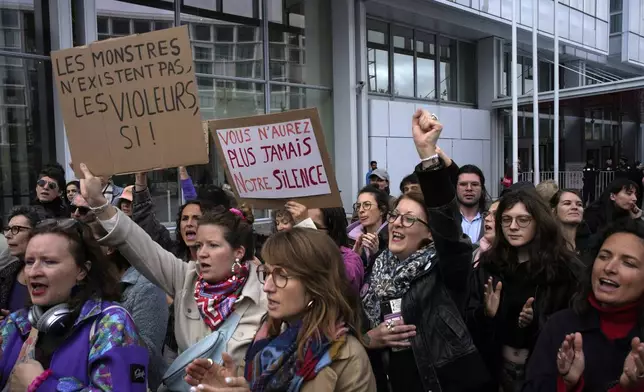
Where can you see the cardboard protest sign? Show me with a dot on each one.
(277, 157)
(131, 104)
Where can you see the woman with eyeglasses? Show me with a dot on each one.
(528, 274)
(369, 233)
(309, 340)
(206, 291)
(74, 336)
(417, 339)
(13, 286)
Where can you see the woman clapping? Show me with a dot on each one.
(597, 345)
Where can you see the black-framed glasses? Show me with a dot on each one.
(14, 230)
(366, 205)
(279, 275)
(522, 221)
(82, 210)
(407, 220)
(47, 184)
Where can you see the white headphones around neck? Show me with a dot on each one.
(55, 320)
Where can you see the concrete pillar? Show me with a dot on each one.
(344, 99)
(60, 19)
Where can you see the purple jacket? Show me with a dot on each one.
(113, 359)
(354, 267)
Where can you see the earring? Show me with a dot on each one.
(235, 268)
(310, 304)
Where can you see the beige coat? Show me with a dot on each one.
(350, 372)
(177, 278)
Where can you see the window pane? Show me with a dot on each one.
(287, 35)
(425, 65)
(141, 26)
(18, 28)
(162, 25)
(290, 98)
(101, 25)
(403, 61)
(616, 23)
(467, 72)
(378, 56)
(246, 34)
(447, 52)
(225, 33)
(120, 27)
(615, 5)
(26, 128)
(201, 32)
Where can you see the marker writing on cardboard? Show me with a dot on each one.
(129, 105)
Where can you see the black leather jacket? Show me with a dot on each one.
(445, 354)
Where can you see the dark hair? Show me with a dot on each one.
(181, 249)
(410, 179)
(335, 221)
(382, 199)
(282, 212)
(56, 172)
(603, 211)
(580, 302)
(554, 201)
(548, 250)
(75, 183)
(472, 169)
(372, 162)
(213, 196)
(33, 214)
(116, 259)
(100, 281)
(237, 231)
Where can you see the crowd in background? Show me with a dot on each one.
(438, 289)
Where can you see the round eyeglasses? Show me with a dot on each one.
(280, 278)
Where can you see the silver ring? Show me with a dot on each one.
(433, 117)
(390, 325)
(210, 362)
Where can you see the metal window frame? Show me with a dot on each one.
(437, 74)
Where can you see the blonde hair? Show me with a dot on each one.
(315, 260)
(547, 189)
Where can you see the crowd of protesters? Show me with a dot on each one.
(439, 289)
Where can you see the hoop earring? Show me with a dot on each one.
(310, 304)
(235, 268)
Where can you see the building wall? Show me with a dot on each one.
(466, 137)
(582, 23)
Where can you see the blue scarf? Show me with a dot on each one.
(272, 363)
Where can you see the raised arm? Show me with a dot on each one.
(155, 263)
(144, 216)
(188, 188)
(454, 249)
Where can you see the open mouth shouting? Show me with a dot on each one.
(608, 285)
(38, 289)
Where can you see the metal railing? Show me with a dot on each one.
(573, 180)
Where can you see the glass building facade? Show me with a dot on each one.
(26, 117)
(251, 57)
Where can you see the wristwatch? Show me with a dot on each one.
(433, 162)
